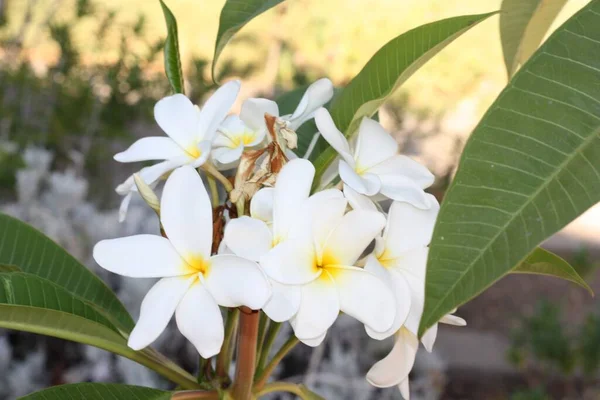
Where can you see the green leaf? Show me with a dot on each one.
(172, 59)
(33, 252)
(529, 168)
(389, 68)
(22, 289)
(543, 262)
(9, 268)
(98, 391)
(523, 25)
(234, 15)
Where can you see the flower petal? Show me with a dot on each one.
(400, 165)
(253, 113)
(178, 118)
(319, 308)
(314, 342)
(124, 206)
(199, 320)
(291, 262)
(152, 173)
(316, 96)
(395, 367)
(157, 308)
(248, 237)
(428, 338)
(401, 188)
(409, 227)
(368, 184)
(186, 215)
(215, 110)
(332, 135)
(226, 155)
(234, 281)
(261, 206)
(351, 236)
(150, 148)
(291, 191)
(413, 265)
(374, 144)
(453, 320)
(139, 256)
(404, 388)
(365, 297)
(358, 201)
(399, 288)
(326, 214)
(284, 302)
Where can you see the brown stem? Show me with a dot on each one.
(196, 395)
(246, 360)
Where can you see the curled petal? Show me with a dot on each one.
(157, 308)
(150, 148)
(226, 155)
(284, 303)
(404, 166)
(186, 215)
(395, 367)
(234, 281)
(139, 256)
(401, 188)
(199, 320)
(332, 135)
(413, 265)
(365, 297)
(428, 338)
(319, 308)
(317, 95)
(314, 342)
(453, 320)
(374, 144)
(248, 237)
(367, 184)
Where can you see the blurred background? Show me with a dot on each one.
(78, 82)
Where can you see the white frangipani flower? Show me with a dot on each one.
(376, 167)
(194, 284)
(316, 95)
(190, 132)
(316, 245)
(400, 259)
(273, 212)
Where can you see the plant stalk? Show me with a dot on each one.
(196, 395)
(224, 358)
(269, 341)
(246, 360)
(266, 373)
(299, 390)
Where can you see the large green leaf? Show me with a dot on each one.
(530, 167)
(523, 25)
(98, 391)
(172, 59)
(391, 66)
(234, 15)
(543, 262)
(31, 251)
(22, 289)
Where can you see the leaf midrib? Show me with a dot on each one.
(517, 213)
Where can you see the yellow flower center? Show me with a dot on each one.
(246, 138)
(386, 259)
(193, 151)
(195, 265)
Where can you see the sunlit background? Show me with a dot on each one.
(78, 81)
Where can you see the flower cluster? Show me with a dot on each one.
(300, 255)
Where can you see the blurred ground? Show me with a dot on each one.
(432, 116)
